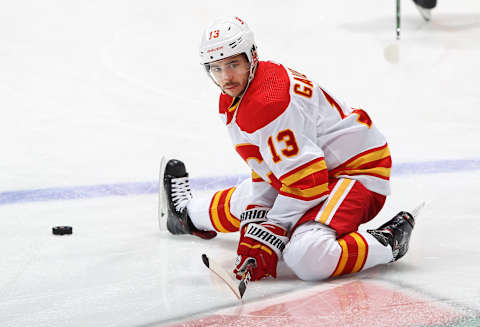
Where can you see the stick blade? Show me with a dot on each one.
(205, 260)
(242, 287)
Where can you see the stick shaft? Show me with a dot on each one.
(398, 15)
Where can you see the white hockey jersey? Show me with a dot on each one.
(297, 138)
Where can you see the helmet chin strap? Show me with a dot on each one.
(253, 68)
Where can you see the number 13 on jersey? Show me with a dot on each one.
(286, 142)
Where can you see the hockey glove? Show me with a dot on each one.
(264, 244)
(253, 214)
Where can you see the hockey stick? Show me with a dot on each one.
(238, 290)
(398, 19)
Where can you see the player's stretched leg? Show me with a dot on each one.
(220, 210)
(329, 244)
(199, 216)
(315, 253)
(175, 194)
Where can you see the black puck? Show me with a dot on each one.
(62, 230)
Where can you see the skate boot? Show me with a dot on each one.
(176, 187)
(425, 8)
(396, 233)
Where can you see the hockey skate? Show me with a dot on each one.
(396, 232)
(425, 8)
(174, 194)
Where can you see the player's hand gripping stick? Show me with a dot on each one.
(259, 249)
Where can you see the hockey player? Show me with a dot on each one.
(319, 169)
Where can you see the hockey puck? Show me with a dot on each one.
(62, 230)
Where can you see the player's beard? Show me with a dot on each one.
(232, 87)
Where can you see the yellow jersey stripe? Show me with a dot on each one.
(333, 199)
(235, 222)
(301, 174)
(214, 213)
(369, 157)
(306, 193)
(255, 175)
(380, 171)
(257, 246)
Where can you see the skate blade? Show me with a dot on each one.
(415, 212)
(162, 197)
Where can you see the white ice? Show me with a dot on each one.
(95, 92)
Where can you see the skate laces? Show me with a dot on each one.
(181, 192)
(382, 235)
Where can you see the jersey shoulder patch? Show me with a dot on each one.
(267, 97)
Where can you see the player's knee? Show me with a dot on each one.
(312, 255)
(307, 263)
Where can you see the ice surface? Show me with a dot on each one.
(93, 93)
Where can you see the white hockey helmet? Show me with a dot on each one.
(227, 37)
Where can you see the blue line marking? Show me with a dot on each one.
(205, 183)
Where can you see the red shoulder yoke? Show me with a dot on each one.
(267, 97)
